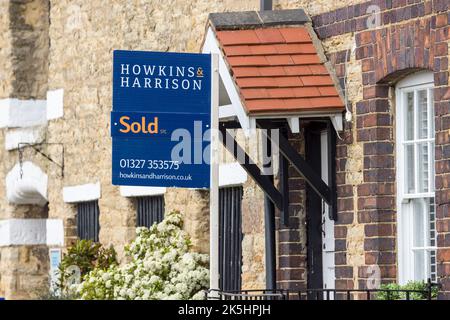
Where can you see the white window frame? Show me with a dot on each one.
(416, 82)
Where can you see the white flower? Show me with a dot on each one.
(199, 296)
(99, 292)
(181, 287)
(161, 268)
(131, 294)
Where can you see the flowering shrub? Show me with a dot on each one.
(161, 267)
(80, 259)
(420, 291)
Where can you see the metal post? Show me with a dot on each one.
(265, 5)
(429, 289)
(214, 179)
(284, 184)
(269, 216)
(332, 170)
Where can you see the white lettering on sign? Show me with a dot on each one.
(161, 77)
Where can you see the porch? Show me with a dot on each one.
(317, 265)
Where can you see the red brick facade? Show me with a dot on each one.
(292, 255)
(413, 36)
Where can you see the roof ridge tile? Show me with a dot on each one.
(254, 19)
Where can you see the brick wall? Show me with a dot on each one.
(412, 36)
(291, 246)
(344, 271)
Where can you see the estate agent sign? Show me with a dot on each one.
(161, 119)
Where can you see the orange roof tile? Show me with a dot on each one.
(300, 34)
(278, 70)
(269, 35)
(238, 37)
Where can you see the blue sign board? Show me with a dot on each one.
(161, 119)
(55, 258)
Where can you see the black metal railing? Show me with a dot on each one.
(88, 223)
(230, 237)
(150, 210)
(324, 294)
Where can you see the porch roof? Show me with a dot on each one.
(277, 63)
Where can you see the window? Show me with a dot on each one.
(88, 225)
(415, 178)
(230, 238)
(150, 210)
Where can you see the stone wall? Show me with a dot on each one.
(5, 89)
(23, 271)
(24, 45)
(29, 22)
(316, 7)
(79, 43)
(195, 207)
(253, 243)
(95, 29)
(5, 51)
(84, 26)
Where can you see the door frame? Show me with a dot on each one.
(317, 212)
(328, 259)
(313, 208)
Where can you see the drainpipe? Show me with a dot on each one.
(269, 216)
(265, 5)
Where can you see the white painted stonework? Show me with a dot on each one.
(231, 174)
(22, 113)
(131, 191)
(55, 104)
(31, 188)
(55, 232)
(227, 112)
(82, 193)
(22, 232)
(31, 135)
(31, 232)
(338, 122)
(294, 124)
